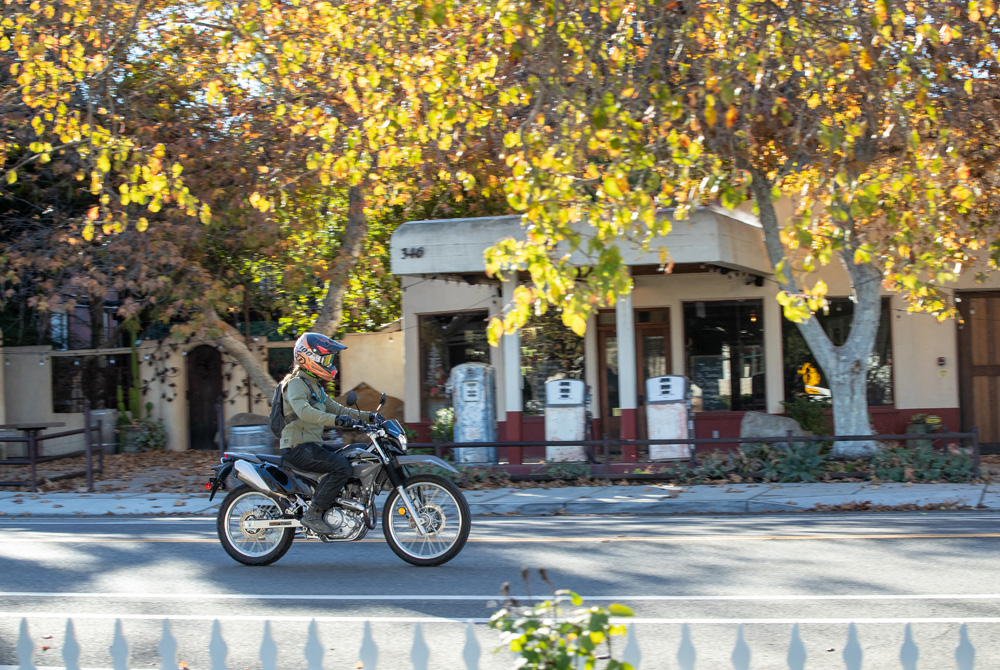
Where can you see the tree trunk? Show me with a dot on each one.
(234, 345)
(329, 317)
(846, 366)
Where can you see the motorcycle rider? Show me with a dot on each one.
(309, 411)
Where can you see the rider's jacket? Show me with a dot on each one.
(314, 411)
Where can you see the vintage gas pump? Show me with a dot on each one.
(669, 416)
(565, 419)
(474, 397)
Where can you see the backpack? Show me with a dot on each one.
(278, 421)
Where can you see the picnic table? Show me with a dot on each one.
(33, 436)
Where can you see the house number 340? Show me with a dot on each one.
(413, 252)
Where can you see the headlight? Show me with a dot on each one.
(402, 442)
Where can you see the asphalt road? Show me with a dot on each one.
(938, 571)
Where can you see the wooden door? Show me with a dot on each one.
(652, 351)
(979, 365)
(204, 378)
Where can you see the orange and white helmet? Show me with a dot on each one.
(316, 353)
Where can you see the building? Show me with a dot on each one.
(714, 319)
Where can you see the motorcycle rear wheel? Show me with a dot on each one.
(445, 513)
(251, 546)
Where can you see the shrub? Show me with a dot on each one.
(921, 464)
(560, 633)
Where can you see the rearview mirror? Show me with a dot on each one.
(352, 398)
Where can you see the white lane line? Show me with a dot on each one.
(465, 597)
(480, 620)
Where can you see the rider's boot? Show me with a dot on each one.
(313, 520)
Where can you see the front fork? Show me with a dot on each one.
(397, 481)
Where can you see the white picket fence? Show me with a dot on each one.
(965, 653)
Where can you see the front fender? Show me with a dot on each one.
(433, 460)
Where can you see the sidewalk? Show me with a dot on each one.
(636, 499)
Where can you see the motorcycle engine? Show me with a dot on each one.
(345, 522)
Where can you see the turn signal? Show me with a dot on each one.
(402, 511)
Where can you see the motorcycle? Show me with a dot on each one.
(425, 519)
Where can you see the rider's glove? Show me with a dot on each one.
(375, 417)
(343, 421)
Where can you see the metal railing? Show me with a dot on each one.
(613, 457)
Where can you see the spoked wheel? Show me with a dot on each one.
(251, 546)
(445, 515)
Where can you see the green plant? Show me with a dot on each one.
(152, 435)
(569, 471)
(132, 413)
(715, 465)
(443, 425)
(799, 462)
(811, 415)
(560, 634)
(921, 464)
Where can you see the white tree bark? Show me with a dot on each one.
(845, 366)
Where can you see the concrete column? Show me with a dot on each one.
(627, 379)
(511, 345)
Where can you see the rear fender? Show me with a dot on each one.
(219, 480)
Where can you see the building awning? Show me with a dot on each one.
(456, 246)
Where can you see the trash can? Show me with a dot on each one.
(109, 421)
(668, 416)
(474, 397)
(256, 439)
(565, 419)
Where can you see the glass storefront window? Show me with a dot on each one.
(837, 324)
(549, 350)
(447, 340)
(724, 349)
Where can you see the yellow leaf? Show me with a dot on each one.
(814, 101)
(12, 176)
(93, 213)
(865, 61)
(142, 224)
(731, 115)
(710, 116)
(88, 232)
(494, 331)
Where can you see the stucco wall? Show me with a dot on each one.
(375, 359)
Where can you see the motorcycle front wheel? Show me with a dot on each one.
(445, 515)
(251, 546)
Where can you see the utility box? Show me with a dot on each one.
(474, 397)
(565, 419)
(669, 416)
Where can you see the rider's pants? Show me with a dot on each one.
(314, 457)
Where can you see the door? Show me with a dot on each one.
(979, 365)
(652, 352)
(204, 377)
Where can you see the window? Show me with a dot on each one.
(724, 347)
(97, 378)
(447, 340)
(837, 324)
(549, 350)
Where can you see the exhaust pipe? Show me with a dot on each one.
(251, 476)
